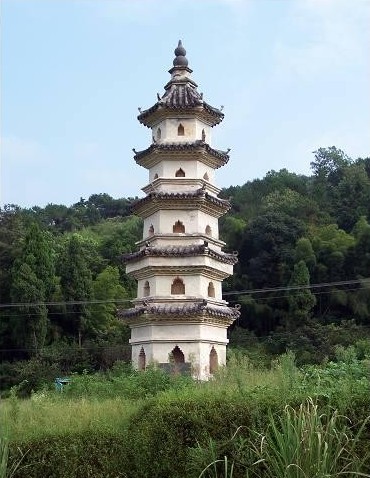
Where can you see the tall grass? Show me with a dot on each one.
(305, 443)
(46, 416)
(299, 443)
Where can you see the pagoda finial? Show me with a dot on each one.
(180, 53)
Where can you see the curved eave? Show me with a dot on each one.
(186, 313)
(157, 112)
(159, 151)
(180, 251)
(200, 200)
(214, 271)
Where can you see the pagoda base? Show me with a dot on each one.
(198, 347)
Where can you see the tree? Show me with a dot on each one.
(266, 252)
(33, 282)
(106, 287)
(76, 285)
(28, 291)
(301, 301)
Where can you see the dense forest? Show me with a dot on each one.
(302, 279)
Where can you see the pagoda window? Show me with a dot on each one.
(206, 177)
(155, 176)
(180, 173)
(203, 135)
(151, 230)
(178, 227)
(178, 287)
(208, 231)
(146, 289)
(213, 361)
(177, 356)
(142, 360)
(159, 134)
(211, 290)
(180, 130)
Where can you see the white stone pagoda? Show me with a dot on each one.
(179, 319)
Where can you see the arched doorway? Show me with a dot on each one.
(142, 360)
(177, 287)
(211, 290)
(213, 361)
(178, 227)
(177, 355)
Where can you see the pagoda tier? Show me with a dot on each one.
(180, 251)
(201, 311)
(199, 200)
(186, 151)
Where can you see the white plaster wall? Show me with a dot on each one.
(200, 286)
(183, 332)
(193, 169)
(194, 340)
(192, 128)
(195, 286)
(195, 221)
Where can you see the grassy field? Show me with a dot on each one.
(136, 425)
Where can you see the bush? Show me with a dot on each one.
(84, 455)
(164, 430)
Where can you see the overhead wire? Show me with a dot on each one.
(363, 282)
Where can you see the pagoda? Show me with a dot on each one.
(179, 319)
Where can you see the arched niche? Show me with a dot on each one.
(211, 290)
(203, 135)
(151, 230)
(146, 290)
(159, 134)
(205, 176)
(180, 130)
(178, 287)
(213, 361)
(142, 360)
(180, 173)
(155, 176)
(178, 227)
(177, 355)
(208, 230)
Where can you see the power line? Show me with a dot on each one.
(298, 287)
(364, 282)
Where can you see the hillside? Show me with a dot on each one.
(302, 279)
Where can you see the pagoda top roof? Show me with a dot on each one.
(180, 94)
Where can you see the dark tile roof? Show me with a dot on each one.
(199, 193)
(181, 95)
(188, 310)
(223, 155)
(181, 251)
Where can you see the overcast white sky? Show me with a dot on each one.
(293, 76)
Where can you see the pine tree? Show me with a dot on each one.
(33, 282)
(76, 285)
(301, 301)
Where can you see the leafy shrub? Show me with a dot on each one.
(84, 455)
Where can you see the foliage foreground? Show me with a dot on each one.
(246, 422)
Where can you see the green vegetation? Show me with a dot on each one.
(132, 424)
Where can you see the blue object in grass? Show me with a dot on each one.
(60, 383)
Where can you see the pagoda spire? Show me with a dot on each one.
(180, 56)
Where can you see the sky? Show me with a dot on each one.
(292, 75)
